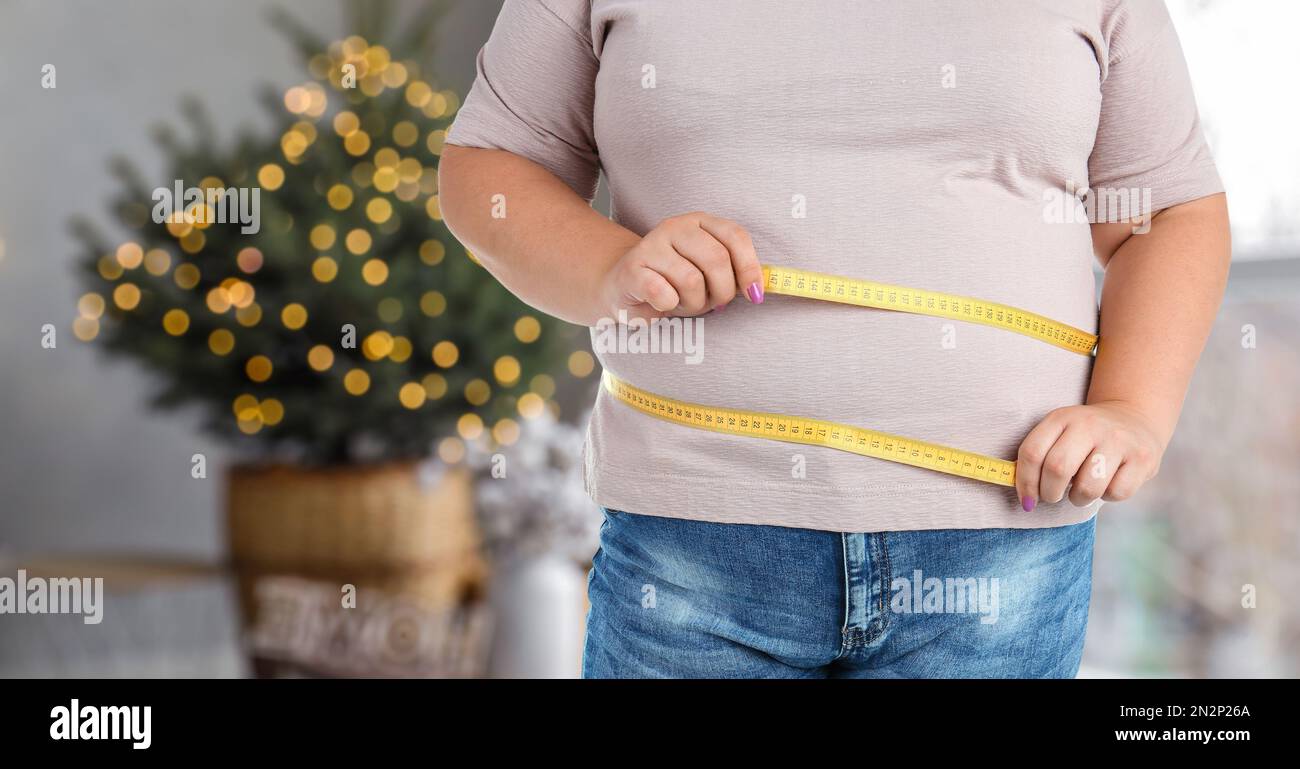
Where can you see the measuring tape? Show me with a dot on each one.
(882, 296)
(816, 432)
(860, 440)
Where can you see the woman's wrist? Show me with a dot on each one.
(1154, 415)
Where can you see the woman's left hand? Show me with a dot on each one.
(1102, 450)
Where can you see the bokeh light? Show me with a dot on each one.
(358, 241)
(405, 133)
(435, 385)
(130, 255)
(581, 363)
(272, 411)
(477, 392)
(433, 303)
(412, 395)
(320, 358)
(218, 300)
(270, 176)
(445, 354)
(506, 432)
(401, 351)
(432, 252)
(339, 197)
(507, 370)
(108, 267)
(377, 345)
(176, 322)
(531, 405)
(324, 269)
(90, 306)
(126, 296)
(157, 261)
(249, 259)
(258, 368)
(85, 329)
(186, 276)
(249, 316)
(356, 382)
(221, 341)
(374, 272)
(293, 316)
(346, 123)
(321, 236)
(470, 426)
(528, 329)
(378, 210)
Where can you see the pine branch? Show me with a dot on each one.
(306, 42)
(200, 122)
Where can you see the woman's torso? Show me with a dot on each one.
(919, 143)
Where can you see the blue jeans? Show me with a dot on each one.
(673, 598)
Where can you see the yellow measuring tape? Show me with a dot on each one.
(882, 296)
(816, 432)
(860, 440)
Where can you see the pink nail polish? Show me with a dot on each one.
(1028, 504)
(720, 308)
(755, 293)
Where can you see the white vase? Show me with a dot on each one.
(538, 606)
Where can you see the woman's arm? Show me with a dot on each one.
(1160, 296)
(547, 246)
(551, 249)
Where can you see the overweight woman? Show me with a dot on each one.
(964, 155)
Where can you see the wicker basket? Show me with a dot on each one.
(382, 527)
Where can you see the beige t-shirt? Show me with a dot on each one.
(927, 143)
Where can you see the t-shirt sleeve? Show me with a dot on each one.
(1149, 135)
(535, 89)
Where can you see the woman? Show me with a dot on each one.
(947, 147)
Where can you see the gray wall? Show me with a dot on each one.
(84, 465)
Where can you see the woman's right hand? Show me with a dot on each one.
(687, 265)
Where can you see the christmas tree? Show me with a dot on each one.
(350, 325)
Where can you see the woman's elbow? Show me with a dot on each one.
(454, 174)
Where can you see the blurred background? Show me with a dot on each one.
(193, 433)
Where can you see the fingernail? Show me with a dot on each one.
(755, 293)
(720, 308)
(1028, 504)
